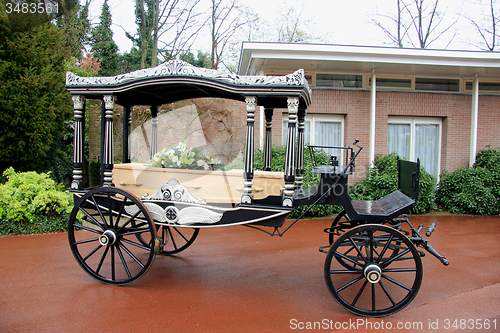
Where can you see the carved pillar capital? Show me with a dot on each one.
(78, 102)
(109, 101)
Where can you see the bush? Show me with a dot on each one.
(32, 203)
(310, 179)
(382, 179)
(473, 190)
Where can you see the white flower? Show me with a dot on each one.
(179, 163)
(175, 159)
(200, 163)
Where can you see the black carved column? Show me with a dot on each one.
(300, 152)
(108, 156)
(268, 140)
(154, 130)
(293, 105)
(126, 133)
(79, 106)
(247, 196)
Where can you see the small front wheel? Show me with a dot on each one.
(112, 235)
(377, 282)
(177, 239)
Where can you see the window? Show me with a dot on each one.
(428, 84)
(339, 81)
(484, 86)
(414, 138)
(392, 82)
(321, 130)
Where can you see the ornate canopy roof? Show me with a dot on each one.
(177, 80)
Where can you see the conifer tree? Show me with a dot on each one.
(34, 103)
(103, 45)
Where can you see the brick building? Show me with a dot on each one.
(439, 106)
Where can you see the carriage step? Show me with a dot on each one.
(430, 229)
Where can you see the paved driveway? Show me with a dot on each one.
(237, 279)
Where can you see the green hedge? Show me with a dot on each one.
(472, 190)
(310, 179)
(32, 203)
(382, 179)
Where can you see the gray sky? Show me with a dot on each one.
(344, 22)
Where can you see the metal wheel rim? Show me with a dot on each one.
(401, 274)
(177, 239)
(123, 259)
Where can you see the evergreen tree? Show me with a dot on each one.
(202, 59)
(103, 45)
(34, 103)
(75, 25)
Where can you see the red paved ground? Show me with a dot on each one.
(240, 280)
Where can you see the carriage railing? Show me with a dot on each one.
(345, 153)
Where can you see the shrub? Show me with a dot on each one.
(473, 190)
(310, 179)
(382, 179)
(32, 203)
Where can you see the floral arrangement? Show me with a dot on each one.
(182, 157)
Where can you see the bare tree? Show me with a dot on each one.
(485, 23)
(401, 28)
(290, 26)
(226, 19)
(166, 28)
(418, 23)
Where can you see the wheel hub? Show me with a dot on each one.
(107, 238)
(373, 273)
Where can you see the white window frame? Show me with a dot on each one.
(413, 121)
(312, 119)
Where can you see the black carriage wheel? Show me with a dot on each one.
(336, 221)
(177, 239)
(379, 283)
(103, 231)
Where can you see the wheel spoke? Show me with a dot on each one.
(123, 261)
(373, 297)
(113, 276)
(390, 260)
(396, 282)
(387, 293)
(344, 272)
(359, 293)
(172, 239)
(384, 249)
(87, 228)
(100, 212)
(338, 254)
(347, 285)
(131, 255)
(357, 249)
(102, 260)
(120, 211)
(136, 244)
(92, 252)
(93, 220)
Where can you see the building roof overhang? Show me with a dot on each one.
(258, 58)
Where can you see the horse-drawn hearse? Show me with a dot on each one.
(373, 266)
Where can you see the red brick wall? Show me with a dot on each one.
(453, 109)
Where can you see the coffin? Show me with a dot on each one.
(213, 186)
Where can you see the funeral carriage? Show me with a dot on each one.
(373, 266)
